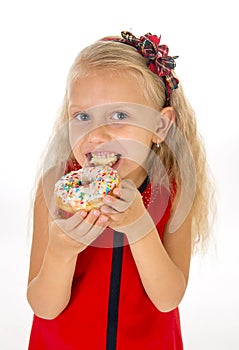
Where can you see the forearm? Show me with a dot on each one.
(49, 292)
(163, 281)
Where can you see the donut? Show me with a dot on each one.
(85, 188)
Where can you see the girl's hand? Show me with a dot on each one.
(69, 237)
(126, 211)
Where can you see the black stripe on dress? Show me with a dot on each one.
(115, 278)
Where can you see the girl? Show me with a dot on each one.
(113, 278)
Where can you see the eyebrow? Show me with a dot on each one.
(84, 108)
(70, 107)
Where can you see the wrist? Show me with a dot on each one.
(138, 229)
(61, 254)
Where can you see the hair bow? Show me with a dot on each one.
(159, 61)
(157, 57)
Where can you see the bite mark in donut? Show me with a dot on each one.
(85, 188)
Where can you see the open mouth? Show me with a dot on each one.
(103, 158)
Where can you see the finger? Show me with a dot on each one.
(126, 190)
(126, 194)
(93, 231)
(108, 210)
(69, 224)
(86, 224)
(114, 216)
(113, 205)
(96, 229)
(76, 219)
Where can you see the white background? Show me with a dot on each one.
(38, 41)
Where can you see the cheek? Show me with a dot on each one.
(143, 136)
(74, 136)
(78, 154)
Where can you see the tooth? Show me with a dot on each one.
(103, 158)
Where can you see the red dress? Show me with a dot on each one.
(109, 308)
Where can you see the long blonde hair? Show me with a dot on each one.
(114, 56)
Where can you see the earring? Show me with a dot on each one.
(158, 145)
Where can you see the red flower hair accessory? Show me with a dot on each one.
(157, 57)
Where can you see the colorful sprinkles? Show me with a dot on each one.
(85, 186)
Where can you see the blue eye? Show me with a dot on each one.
(119, 116)
(84, 117)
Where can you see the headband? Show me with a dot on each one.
(159, 62)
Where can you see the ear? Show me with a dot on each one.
(166, 119)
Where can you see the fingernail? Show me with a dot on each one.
(108, 199)
(82, 213)
(96, 212)
(116, 191)
(103, 218)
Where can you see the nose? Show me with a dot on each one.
(99, 135)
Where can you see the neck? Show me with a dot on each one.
(138, 178)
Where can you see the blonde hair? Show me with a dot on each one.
(118, 57)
